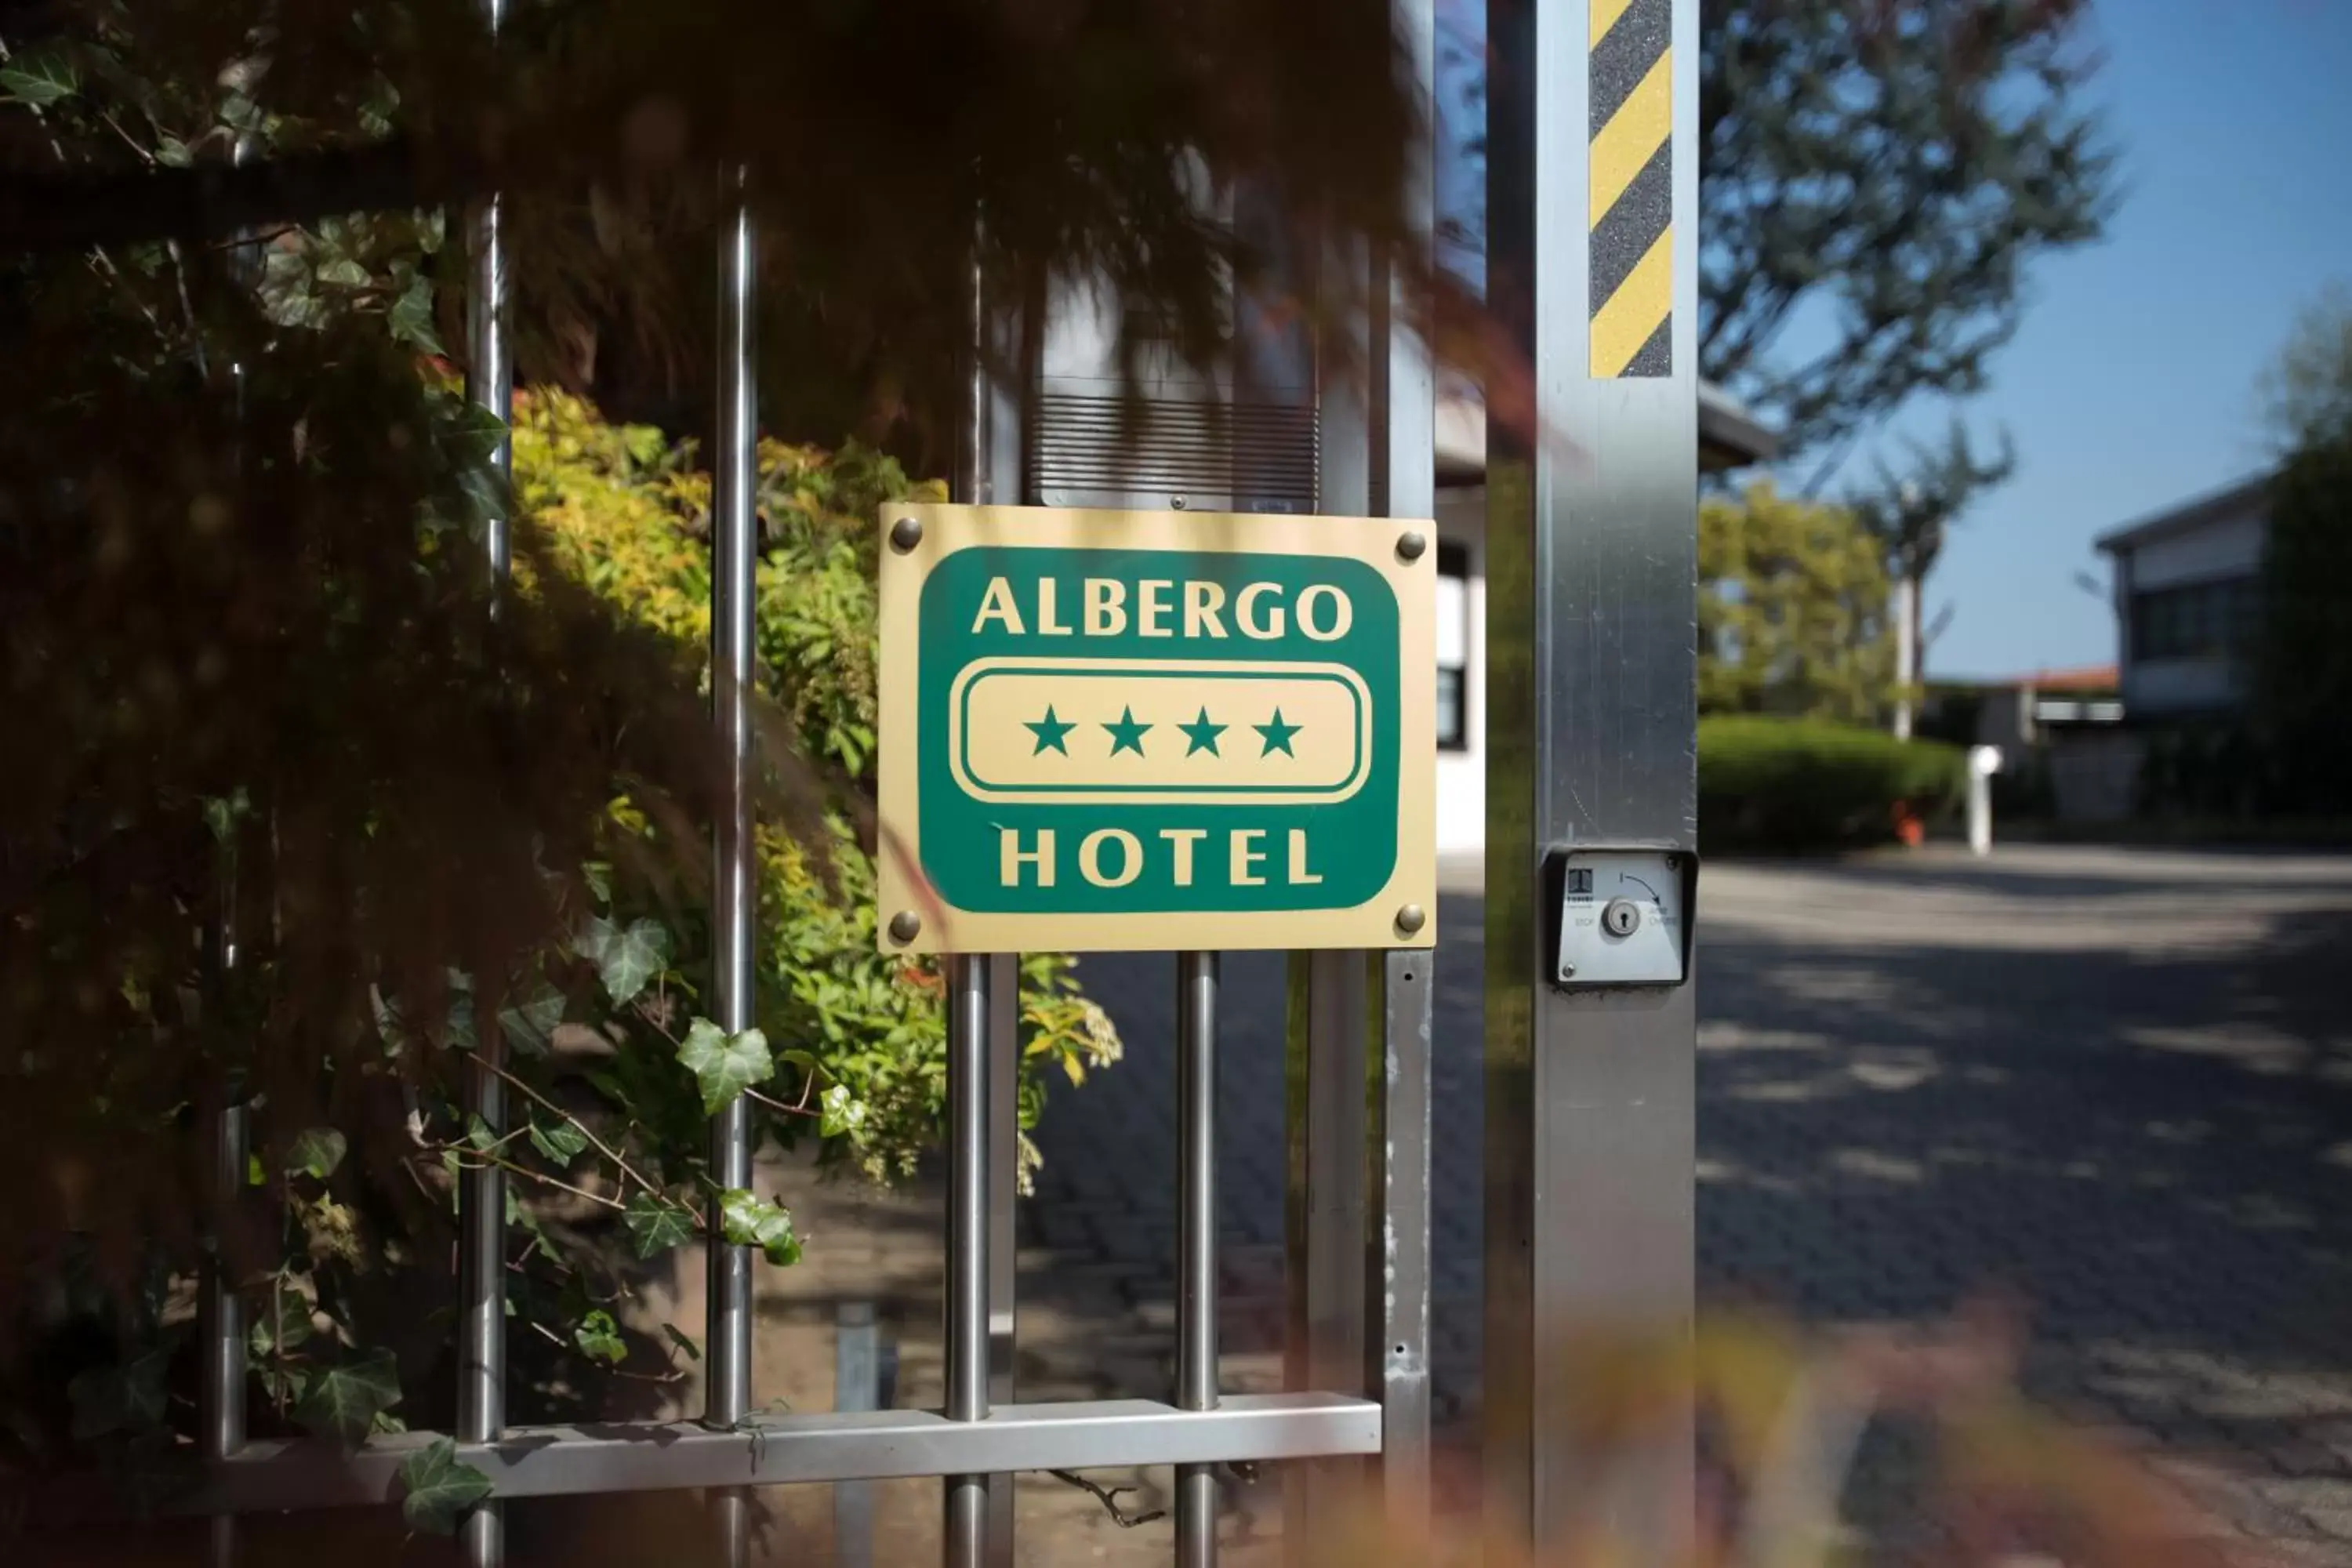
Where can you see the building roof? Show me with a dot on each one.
(2210, 506)
(1729, 437)
(2082, 678)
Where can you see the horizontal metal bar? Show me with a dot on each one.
(785, 1450)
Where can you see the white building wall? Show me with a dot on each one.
(2227, 547)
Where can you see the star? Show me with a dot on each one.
(1277, 735)
(1203, 735)
(1049, 732)
(1126, 735)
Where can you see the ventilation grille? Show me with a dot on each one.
(1245, 456)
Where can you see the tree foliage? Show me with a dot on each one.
(1910, 510)
(2302, 674)
(1883, 172)
(625, 512)
(315, 808)
(1791, 610)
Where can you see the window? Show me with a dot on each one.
(2198, 620)
(1453, 647)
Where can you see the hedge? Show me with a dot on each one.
(1799, 785)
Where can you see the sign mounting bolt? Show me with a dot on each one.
(1411, 918)
(1410, 544)
(905, 534)
(905, 925)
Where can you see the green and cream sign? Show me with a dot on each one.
(1106, 730)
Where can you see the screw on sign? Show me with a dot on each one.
(1112, 729)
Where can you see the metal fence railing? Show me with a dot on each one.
(1364, 1256)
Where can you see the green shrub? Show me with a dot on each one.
(1796, 785)
(626, 515)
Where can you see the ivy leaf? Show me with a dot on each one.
(315, 1152)
(678, 1338)
(343, 1401)
(751, 1220)
(625, 960)
(126, 1398)
(840, 1112)
(438, 1489)
(560, 1140)
(655, 1224)
(479, 1134)
(724, 1065)
(280, 1330)
(528, 1027)
(344, 273)
(599, 1338)
(411, 316)
(39, 79)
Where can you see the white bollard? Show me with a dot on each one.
(1983, 763)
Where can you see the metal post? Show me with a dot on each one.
(856, 1387)
(964, 1539)
(1324, 1106)
(987, 468)
(222, 1392)
(1590, 711)
(1983, 763)
(482, 1190)
(1397, 1275)
(735, 476)
(1003, 1194)
(1196, 1255)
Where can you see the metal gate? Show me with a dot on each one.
(1358, 1231)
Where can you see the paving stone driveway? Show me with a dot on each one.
(2115, 1083)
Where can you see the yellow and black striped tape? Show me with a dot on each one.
(1631, 169)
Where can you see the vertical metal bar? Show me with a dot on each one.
(482, 1191)
(1324, 1106)
(1591, 722)
(1196, 1253)
(1003, 1194)
(735, 478)
(964, 1539)
(1398, 1277)
(222, 1392)
(983, 472)
(1324, 1220)
(1397, 1280)
(856, 1386)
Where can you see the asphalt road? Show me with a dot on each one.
(2114, 1086)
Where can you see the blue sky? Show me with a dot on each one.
(2133, 383)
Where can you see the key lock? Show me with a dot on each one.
(1620, 916)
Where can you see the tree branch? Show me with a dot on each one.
(1108, 1497)
(214, 201)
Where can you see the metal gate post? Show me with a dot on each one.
(1323, 1105)
(222, 1392)
(734, 544)
(1324, 1102)
(987, 470)
(1196, 1252)
(1593, 245)
(1003, 1194)
(964, 1536)
(1397, 1278)
(482, 1190)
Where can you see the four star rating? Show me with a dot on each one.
(1126, 733)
